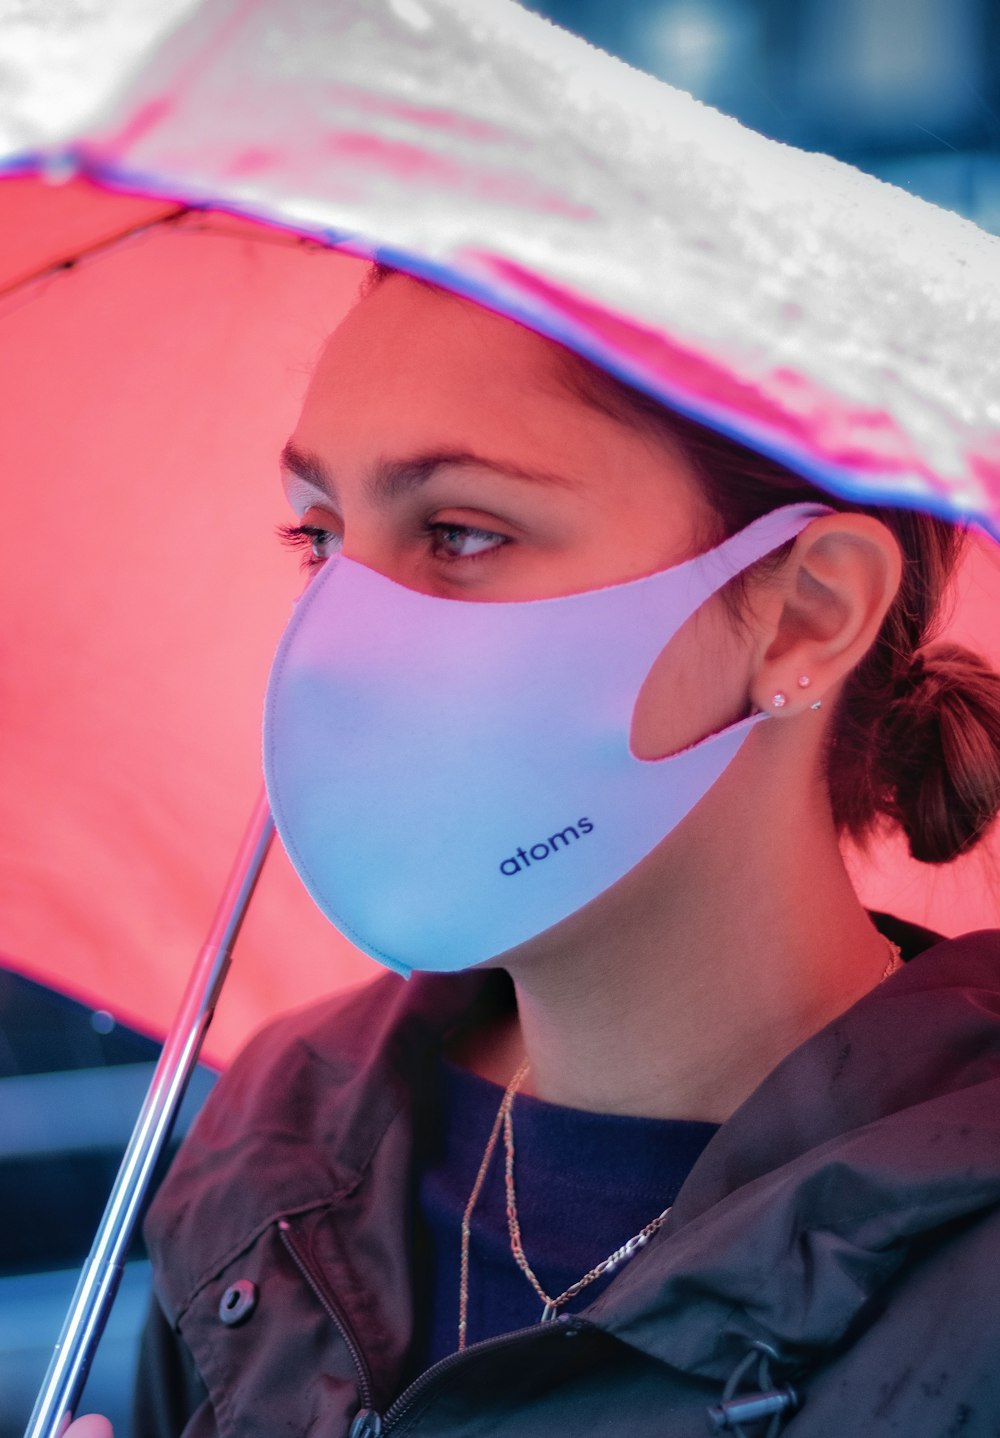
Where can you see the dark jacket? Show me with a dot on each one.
(839, 1239)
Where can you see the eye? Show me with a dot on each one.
(313, 542)
(463, 541)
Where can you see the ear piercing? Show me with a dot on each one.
(803, 682)
(780, 699)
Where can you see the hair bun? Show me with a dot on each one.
(914, 674)
(942, 759)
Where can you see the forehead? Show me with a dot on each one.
(415, 359)
(413, 324)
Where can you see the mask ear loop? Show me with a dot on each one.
(787, 522)
(746, 721)
(797, 518)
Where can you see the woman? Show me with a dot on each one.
(740, 1160)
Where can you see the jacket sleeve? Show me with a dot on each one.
(170, 1397)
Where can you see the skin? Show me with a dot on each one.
(674, 993)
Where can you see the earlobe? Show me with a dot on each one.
(827, 608)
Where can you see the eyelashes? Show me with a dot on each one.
(310, 540)
(448, 543)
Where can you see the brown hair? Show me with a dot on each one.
(915, 739)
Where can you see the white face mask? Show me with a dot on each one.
(450, 777)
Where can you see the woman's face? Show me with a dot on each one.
(438, 445)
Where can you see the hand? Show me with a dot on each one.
(91, 1425)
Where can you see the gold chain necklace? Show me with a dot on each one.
(504, 1121)
(550, 1306)
(895, 960)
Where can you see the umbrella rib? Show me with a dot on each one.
(169, 216)
(108, 242)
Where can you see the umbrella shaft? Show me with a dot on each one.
(99, 1278)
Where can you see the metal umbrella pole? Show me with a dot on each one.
(101, 1274)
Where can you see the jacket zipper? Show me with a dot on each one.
(398, 1409)
(400, 1406)
(317, 1283)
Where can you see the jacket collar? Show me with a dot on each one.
(881, 1127)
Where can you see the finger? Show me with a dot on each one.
(91, 1425)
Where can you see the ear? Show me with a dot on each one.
(822, 614)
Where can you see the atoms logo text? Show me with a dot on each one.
(523, 858)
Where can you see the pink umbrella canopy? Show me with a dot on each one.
(220, 168)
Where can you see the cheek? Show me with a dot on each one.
(699, 683)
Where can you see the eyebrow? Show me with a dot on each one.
(391, 478)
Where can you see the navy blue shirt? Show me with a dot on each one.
(586, 1183)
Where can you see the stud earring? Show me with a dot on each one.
(817, 705)
(779, 700)
(804, 681)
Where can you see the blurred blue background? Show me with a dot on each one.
(71, 1084)
(906, 89)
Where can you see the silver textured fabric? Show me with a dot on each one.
(815, 313)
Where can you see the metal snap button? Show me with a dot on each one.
(238, 1302)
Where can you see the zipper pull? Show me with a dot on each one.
(367, 1424)
(752, 1408)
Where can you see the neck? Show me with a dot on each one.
(676, 992)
